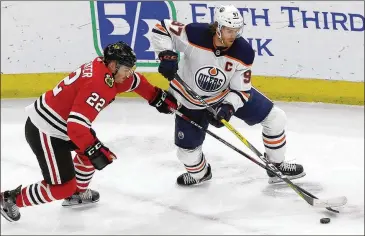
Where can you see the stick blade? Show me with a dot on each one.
(330, 202)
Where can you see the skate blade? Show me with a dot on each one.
(204, 182)
(68, 204)
(275, 179)
(3, 213)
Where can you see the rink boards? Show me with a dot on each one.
(276, 88)
(304, 51)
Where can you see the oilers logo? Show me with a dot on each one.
(210, 78)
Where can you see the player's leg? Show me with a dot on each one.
(274, 139)
(260, 109)
(84, 171)
(55, 161)
(189, 141)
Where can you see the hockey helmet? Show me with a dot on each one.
(120, 52)
(228, 16)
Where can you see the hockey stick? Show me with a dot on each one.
(310, 198)
(226, 124)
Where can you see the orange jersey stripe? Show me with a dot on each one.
(182, 90)
(200, 47)
(195, 101)
(246, 95)
(210, 50)
(161, 28)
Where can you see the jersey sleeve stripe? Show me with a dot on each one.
(244, 95)
(77, 121)
(159, 32)
(48, 118)
(50, 111)
(164, 27)
(136, 82)
(80, 116)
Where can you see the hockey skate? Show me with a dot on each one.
(186, 179)
(79, 199)
(289, 170)
(8, 206)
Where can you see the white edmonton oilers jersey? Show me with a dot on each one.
(216, 75)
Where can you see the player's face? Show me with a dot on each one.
(123, 73)
(229, 35)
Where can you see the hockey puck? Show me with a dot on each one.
(325, 220)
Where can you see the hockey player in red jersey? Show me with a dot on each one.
(60, 122)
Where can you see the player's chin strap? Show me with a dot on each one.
(296, 188)
(219, 34)
(117, 67)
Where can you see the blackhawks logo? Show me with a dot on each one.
(109, 80)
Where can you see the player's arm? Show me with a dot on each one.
(87, 105)
(156, 97)
(240, 84)
(239, 95)
(167, 37)
(240, 87)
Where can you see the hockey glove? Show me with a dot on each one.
(168, 65)
(163, 101)
(99, 155)
(224, 111)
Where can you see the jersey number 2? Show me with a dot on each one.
(67, 81)
(96, 101)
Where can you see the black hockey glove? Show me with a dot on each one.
(163, 101)
(224, 111)
(99, 155)
(168, 65)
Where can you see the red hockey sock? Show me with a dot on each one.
(84, 172)
(41, 192)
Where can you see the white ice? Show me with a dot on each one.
(139, 194)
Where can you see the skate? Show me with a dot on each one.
(8, 207)
(186, 179)
(289, 170)
(79, 199)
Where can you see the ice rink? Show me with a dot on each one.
(139, 194)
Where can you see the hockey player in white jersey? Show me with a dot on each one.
(216, 64)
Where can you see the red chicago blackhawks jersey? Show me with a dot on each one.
(68, 110)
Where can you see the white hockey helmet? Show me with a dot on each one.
(228, 16)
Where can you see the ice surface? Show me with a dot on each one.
(139, 194)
